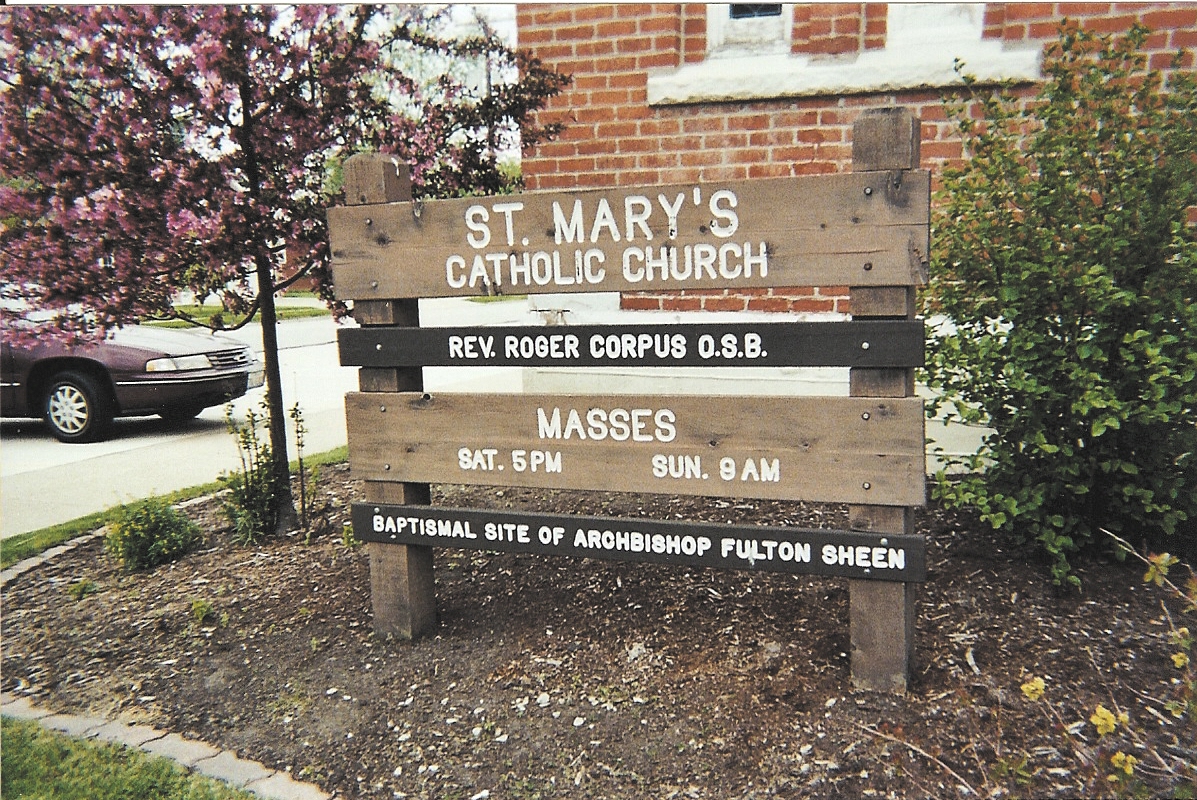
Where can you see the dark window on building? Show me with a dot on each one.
(753, 10)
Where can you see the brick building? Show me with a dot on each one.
(678, 93)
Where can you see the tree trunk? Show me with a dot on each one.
(284, 504)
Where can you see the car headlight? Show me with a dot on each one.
(178, 363)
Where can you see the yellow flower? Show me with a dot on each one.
(1103, 720)
(1033, 688)
(1181, 660)
(1124, 762)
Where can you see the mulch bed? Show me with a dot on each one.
(586, 679)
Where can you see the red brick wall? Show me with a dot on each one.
(838, 28)
(612, 136)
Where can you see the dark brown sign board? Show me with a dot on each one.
(873, 343)
(863, 229)
(831, 449)
(797, 551)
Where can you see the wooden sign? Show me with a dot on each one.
(863, 229)
(850, 554)
(878, 343)
(867, 231)
(834, 449)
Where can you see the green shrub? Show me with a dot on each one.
(147, 534)
(1067, 268)
(250, 504)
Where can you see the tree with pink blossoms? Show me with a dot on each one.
(149, 150)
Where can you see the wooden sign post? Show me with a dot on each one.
(868, 230)
(402, 588)
(882, 615)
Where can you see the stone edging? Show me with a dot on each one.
(223, 765)
(204, 759)
(33, 562)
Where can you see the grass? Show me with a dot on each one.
(27, 545)
(42, 765)
(204, 315)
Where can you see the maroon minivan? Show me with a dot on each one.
(134, 371)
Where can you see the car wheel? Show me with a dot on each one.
(180, 415)
(77, 409)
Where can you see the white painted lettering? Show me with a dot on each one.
(760, 261)
(573, 424)
(659, 263)
(636, 210)
(454, 272)
(476, 218)
(548, 427)
(520, 269)
(671, 211)
(542, 267)
(633, 274)
(567, 280)
(704, 260)
(572, 230)
(496, 263)
(726, 221)
(730, 272)
(618, 424)
(592, 274)
(507, 209)
(478, 274)
(604, 219)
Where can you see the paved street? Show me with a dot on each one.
(44, 482)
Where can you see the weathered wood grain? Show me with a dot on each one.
(882, 615)
(402, 584)
(831, 449)
(861, 230)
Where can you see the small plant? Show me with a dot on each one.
(201, 610)
(300, 430)
(347, 537)
(1183, 704)
(1033, 689)
(250, 505)
(82, 588)
(1105, 722)
(144, 535)
(1014, 768)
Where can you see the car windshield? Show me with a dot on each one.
(23, 320)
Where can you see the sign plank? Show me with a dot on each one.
(896, 343)
(868, 229)
(830, 449)
(798, 551)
